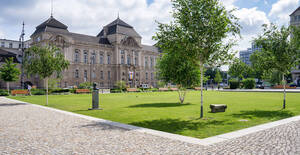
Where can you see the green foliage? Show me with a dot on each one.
(53, 83)
(234, 84)
(38, 91)
(249, 83)
(218, 77)
(239, 69)
(161, 84)
(44, 61)
(3, 92)
(121, 85)
(9, 72)
(85, 85)
(175, 68)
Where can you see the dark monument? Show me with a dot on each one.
(95, 98)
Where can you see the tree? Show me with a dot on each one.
(280, 51)
(175, 68)
(121, 85)
(9, 72)
(44, 61)
(198, 31)
(239, 69)
(218, 78)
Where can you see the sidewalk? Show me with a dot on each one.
(32, 129)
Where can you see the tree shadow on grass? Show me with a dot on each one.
(264, 114)
(158, 105)
(177, 125)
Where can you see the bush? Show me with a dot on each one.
(248, 83)
(85, 85)
(58, 90)
(3, 92)
(38, 92)
(234, 84)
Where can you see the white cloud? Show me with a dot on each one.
(89, 16)
(282, 9)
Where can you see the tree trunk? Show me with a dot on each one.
(201, 108)
(181, 95)
(7, 85)
(46, 83)
(284, 91)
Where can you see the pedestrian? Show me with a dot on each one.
(29, 89)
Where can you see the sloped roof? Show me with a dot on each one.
(50, 23)
(119, 22)
(295, 11)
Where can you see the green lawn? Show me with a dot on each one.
(161, 110)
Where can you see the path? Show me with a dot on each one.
(30, 129)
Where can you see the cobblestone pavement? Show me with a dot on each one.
(27, 129)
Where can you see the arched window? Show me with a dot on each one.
(108, 59)
(128, 60)
(77, 56)
(85, 57)
(101, 58)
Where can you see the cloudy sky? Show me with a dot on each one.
(89, 16)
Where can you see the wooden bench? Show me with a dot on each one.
(163, 89)
(281, 87)
(174, 89)
(132, 90)
(197, 88)
(19, 92)
(78, 91)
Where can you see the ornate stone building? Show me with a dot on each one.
(295, 20)
(115, 54)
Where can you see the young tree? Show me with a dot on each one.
(199, 28)
(239, 69)
(44, 61)
(121, 85)
(218, 78)
(9, 72)
(279, 51)
(175, 68)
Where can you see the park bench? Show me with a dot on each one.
(197, 88)
(163, 89)
(218, 108)
(174, 89)
(78, 91)
(19, 92)
(281, 87)
(132, 90)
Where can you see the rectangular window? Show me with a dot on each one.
(85, 57)
(101, 75)
(2, 44)
(76, 73)
(146, 61)
(108, 59)
(122, 59)
(101, 58)
(146, 76)
(76, 59)
(93, 75)
(10, 45)
(85, 75)
(151, 62)
(128, 60)
(151, 76)
(108, 75)
(93, 58)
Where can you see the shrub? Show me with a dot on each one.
(38, 92)
(248, 83)
(3, 92)
(234, 84)
(59, 90)
(85, 85)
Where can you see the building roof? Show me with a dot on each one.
(50, 23)
(118, 26)
(7, 54)
(295, 11)
(150, 48)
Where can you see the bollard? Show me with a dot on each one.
(95, 98)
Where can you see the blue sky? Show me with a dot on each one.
(89, 16)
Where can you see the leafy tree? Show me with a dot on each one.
(85, 85)
(175, 68)
(198, 31)
(44, 61)
(280, 51)
(218, 78)
(9, 72)
(239, 69)
(121, 85)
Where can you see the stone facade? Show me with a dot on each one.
(111, 56)
(295, 20)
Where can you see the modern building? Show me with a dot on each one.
(245, 55)
(114, 54)
(295, 21)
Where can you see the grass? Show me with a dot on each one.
(162, 111)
